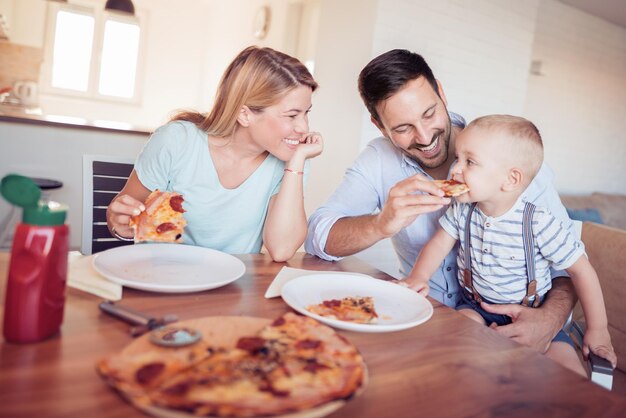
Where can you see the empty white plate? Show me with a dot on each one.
(168, 268)
(397, 307)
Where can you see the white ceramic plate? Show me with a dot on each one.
(397, 307)
(168, 268)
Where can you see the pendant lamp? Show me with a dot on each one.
(124, 6)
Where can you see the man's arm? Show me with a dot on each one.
(346, 223)
(597, 338)
(350, 235)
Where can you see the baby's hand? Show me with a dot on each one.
(312, 146)
(420, 287)
(599, 342)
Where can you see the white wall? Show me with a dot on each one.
(173, 75)
(24, 19)
(344, 46)
(229, 26)
(480, 53)
(579, 103)
(188, 44)
(57, 153)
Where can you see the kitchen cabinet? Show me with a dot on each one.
(19, 62)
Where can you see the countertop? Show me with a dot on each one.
(17, 114)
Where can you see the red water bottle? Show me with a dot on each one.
(35, 292)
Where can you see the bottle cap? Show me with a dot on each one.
(23, 192)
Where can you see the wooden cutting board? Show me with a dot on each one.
(223, 331)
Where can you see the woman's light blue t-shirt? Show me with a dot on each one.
(177, 158)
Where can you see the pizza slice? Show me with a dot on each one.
(452, 188)
(162, 220)
(359, 310)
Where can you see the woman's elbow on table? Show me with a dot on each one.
(283, 249)
(283, 245)
(281, 253)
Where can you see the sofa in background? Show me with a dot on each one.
(605, 208)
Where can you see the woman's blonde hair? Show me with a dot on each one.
(257, 78)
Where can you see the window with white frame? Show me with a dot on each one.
(92, 53)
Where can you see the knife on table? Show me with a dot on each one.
(141, 321)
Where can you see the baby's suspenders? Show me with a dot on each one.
(529, 254)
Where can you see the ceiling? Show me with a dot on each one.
(612, 10)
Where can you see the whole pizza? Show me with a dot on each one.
(291, 364)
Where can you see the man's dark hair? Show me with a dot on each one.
(388, 73)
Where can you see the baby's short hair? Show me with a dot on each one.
(522, 137)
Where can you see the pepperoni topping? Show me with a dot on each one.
(176, 203)
(279, 393)
(313, 367)
(179, 388)
(251, 344)
(334, 303)
(164, 227)
(148, 372)
(278, 322)
(305, 344)
(267, 387)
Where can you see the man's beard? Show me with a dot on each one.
(437, 160)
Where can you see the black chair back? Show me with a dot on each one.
(103, 178)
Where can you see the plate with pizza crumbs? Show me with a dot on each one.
(396, 307)
(291, 367)
(168, 268)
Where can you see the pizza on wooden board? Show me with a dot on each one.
(452, 188)
(162, 220)
(137, 370)
(357, 309)
(291, 364)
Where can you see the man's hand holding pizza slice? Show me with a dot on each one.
(405, 203)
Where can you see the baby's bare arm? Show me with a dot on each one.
(430, 258)
(587, 284)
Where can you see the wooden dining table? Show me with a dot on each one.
(449, 366)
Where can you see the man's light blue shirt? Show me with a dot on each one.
(365, 189)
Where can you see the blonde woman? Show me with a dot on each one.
(241, 167)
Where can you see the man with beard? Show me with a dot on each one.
(389, 191)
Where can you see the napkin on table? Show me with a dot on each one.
(287, 274)
(82, 276)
